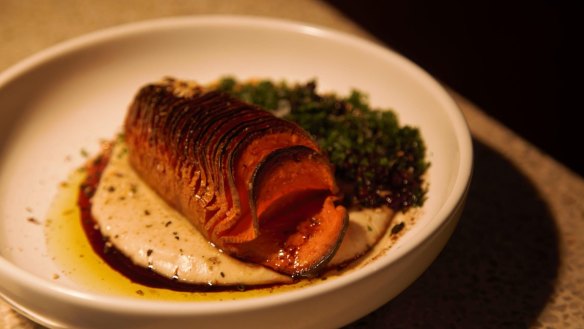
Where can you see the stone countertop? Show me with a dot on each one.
(516, 260)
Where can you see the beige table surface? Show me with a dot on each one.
(516, 259)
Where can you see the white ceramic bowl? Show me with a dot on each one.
(68, 97)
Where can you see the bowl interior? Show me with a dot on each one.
(60, 103)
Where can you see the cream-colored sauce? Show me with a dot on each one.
(152, 234)
(365, 228)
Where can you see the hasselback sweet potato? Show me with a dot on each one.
(256, 186)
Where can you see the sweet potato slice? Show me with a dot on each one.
(300, 225)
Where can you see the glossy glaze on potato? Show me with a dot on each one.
(255, 185)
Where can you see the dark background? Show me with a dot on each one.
(516, 60)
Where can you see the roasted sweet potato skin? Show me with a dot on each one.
(214, 158)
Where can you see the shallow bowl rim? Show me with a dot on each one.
(125, 304)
